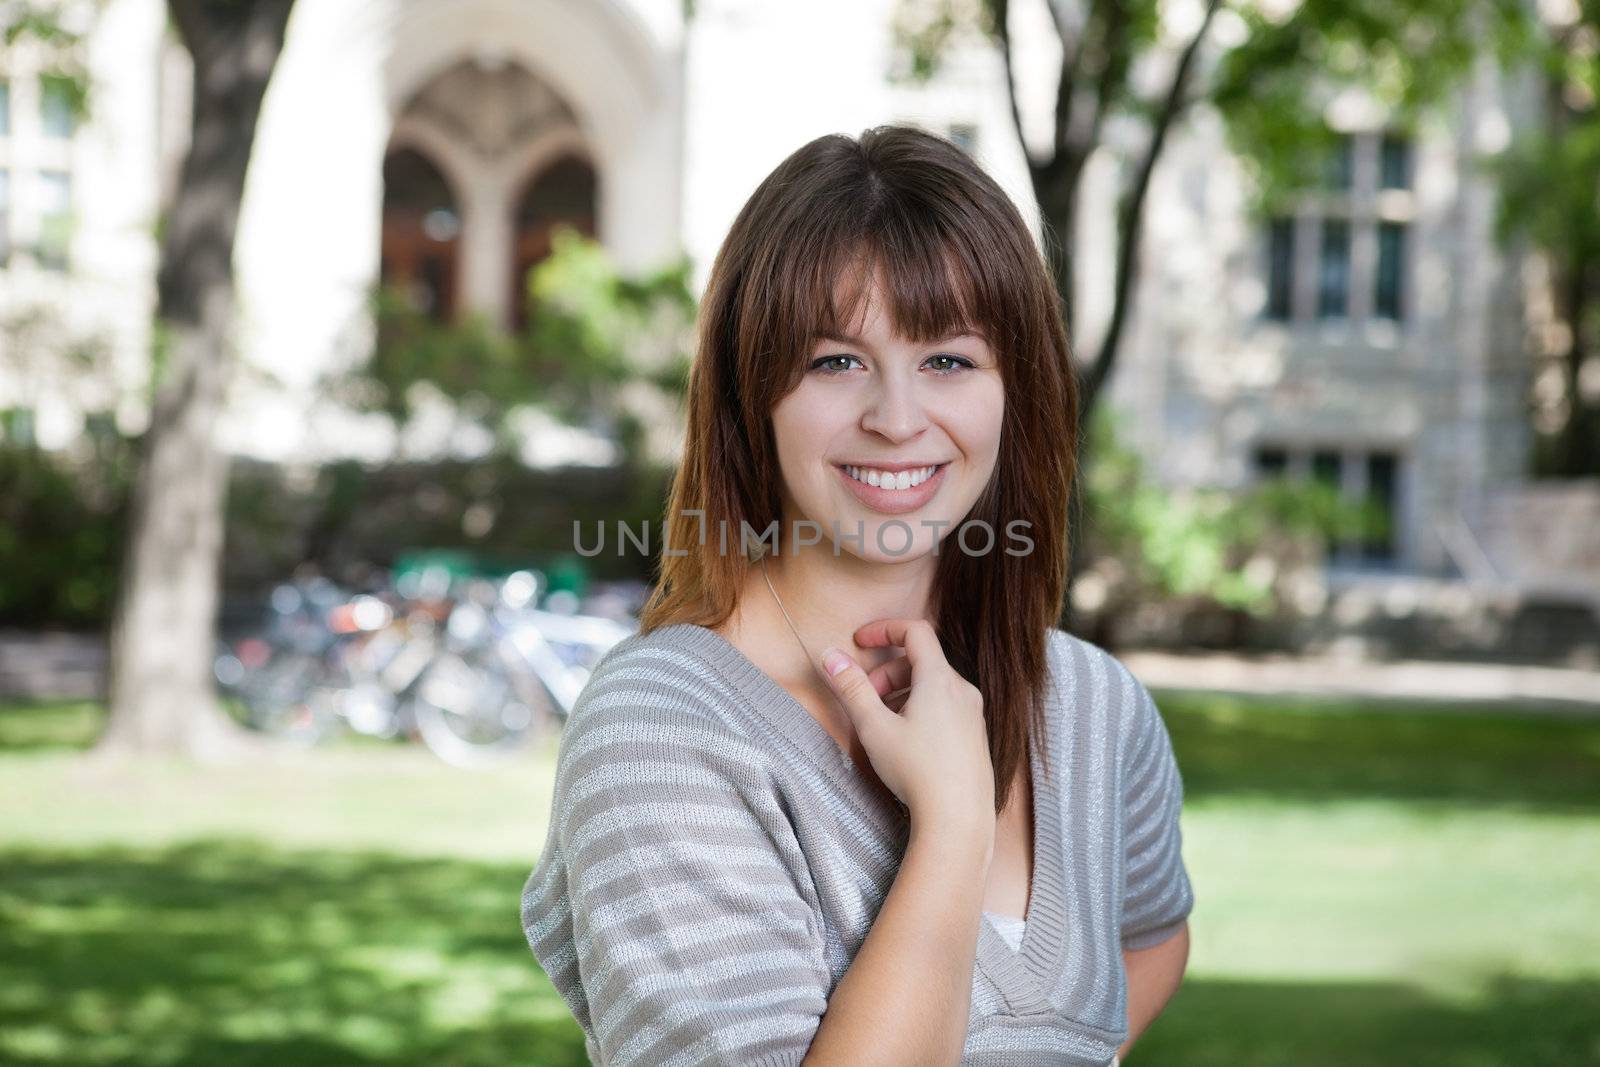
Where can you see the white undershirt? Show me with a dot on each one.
(1010, 928)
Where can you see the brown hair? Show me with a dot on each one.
(954, 254)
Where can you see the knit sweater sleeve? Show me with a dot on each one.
(1157, 896)
(666, 906)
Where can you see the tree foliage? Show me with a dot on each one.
(1245, 549)
(592, 330)
(1550, 196)
(1276, 87)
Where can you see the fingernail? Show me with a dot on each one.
(834, 660)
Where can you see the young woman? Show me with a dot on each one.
(851, 796)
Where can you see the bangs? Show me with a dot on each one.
(930, 290)
(928, 244)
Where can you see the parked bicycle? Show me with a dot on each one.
(475, 670)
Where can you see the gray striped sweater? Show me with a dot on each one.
(715, 859)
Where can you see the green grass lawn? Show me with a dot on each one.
(1385, 886)
(1373, 886)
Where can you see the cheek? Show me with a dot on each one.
(975, 422)
(800, 424)
(788, 416)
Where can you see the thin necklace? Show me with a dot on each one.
(790, 621)
(803, 648)
(900, 804)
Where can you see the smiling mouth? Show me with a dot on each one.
(897, 492)
(894, 481)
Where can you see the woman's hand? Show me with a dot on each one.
(933, 753)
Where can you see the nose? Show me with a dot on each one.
(894, 410)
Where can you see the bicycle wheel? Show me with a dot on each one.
(291, 697)
(473, 712)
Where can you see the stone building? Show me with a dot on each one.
(1374, 337)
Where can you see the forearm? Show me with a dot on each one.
(1154, 975)
(906, 995)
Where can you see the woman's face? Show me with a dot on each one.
(877, 408)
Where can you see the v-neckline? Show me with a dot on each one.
(1025, 976)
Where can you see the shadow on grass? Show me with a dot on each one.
(225, 952)
(229, 952)
(1283, 749)
(1521, 1022)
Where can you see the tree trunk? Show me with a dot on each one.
(161, 694)
(1097, 59)
(1579, 439)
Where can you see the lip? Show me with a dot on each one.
(894, 501)
(895, 467)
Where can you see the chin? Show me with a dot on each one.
(922, 544)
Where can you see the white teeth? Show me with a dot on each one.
(891, 479)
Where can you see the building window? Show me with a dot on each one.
(1271, 463)
(1368, 477)
(1359, 225)
(1280, 269)
(55, 218)
(1333, 274)
(1391, 260)
(57, 106)
(1394, 163)
(1380, 494)
(564, 193)
(1339, 167)
(1326, 468)
(5, 108)
(421, 241)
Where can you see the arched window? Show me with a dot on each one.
(563, 192)
(421, 233)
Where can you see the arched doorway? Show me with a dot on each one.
(421, 234)
(563, 192)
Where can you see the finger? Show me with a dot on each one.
(888, 677)
(916, 636)
(854, 690)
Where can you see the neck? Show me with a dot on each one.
(828, 598)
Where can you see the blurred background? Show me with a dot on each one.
(334, 334)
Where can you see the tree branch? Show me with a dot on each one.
(1071, 57)
(1130, 215)
(1113, 68)
(998, 13)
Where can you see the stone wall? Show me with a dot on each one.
(1545, 536)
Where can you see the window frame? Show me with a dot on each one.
(1292, 243)
(1353, 462)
